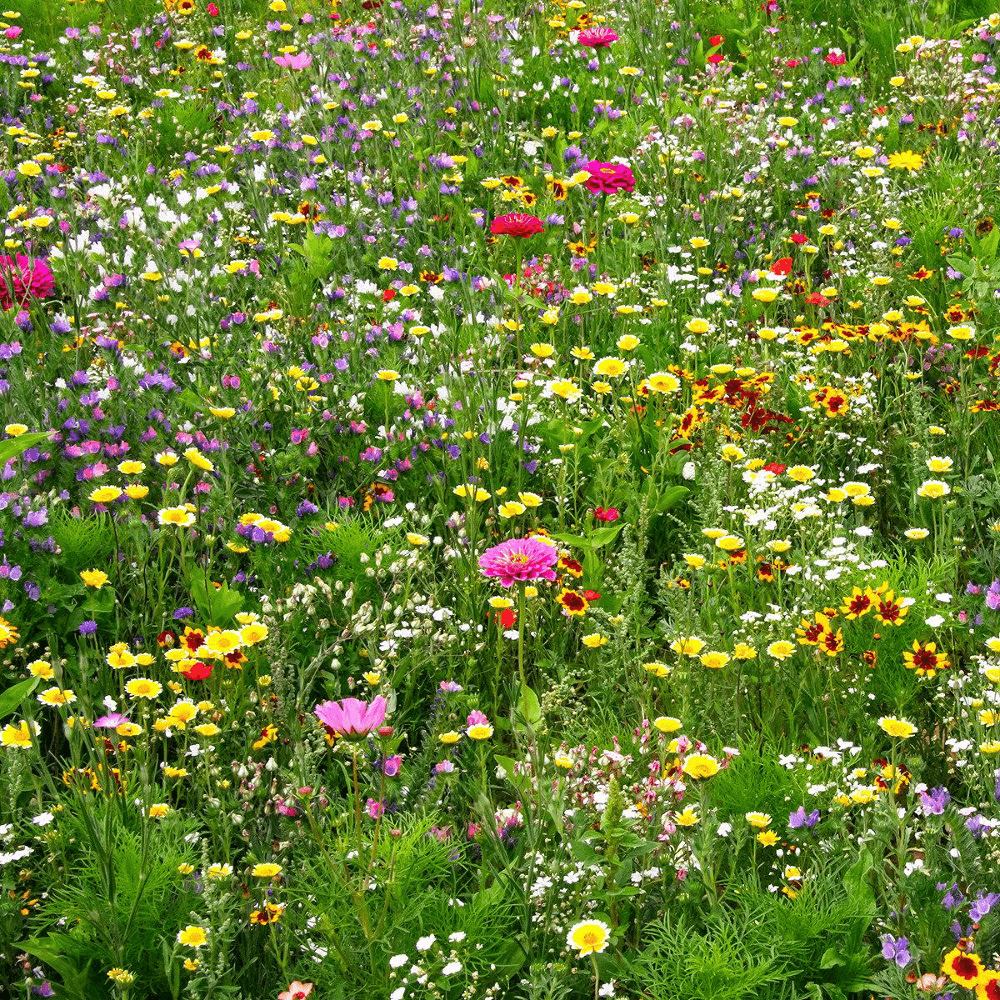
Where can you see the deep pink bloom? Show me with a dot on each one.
(606, 514)
(112, 721)
(351, 717)
(520, 559)
(607, 178)
(29, 279)
(596, 38)
(517, 224)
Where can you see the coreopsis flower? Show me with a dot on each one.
(519, 560)
(925, 660)
(962, 967)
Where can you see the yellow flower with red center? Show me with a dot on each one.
(925, 660)
(573, 602)
(963, 967)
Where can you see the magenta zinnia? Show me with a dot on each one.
(517, 224)
(23, 278)
(607, 178)
(597, 38)
(352, 718)
(519, 560)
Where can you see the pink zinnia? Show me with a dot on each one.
(597, 38)
(517, 224)
(351, 717)
(29, 279)
(607, 178)
(518, 560)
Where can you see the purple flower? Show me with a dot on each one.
(934, 800)
(390, 766)
(952, 898)
(87, 628)
(983, 905)
(993, 596)
(183, 613)
(799, 819)
(896, 950)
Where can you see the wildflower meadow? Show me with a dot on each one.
(500, 499)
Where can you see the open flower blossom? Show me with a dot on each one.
(518, 224)
(352, 718)
(609, 178)
(296, 991)
(589, 937)
(519, 560)
(596, 38)
(23, 278)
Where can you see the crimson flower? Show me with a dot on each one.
(597, 38)
(607, 178)
(782, 266)
(835, 58)
(517, 224)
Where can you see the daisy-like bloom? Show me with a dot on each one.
(589, 937)
(8, 633)
(687, 646)
(597, 37)
(759, 820)
(197, 459)
(480, 731)
(352, 718)
(266, 870)
(925, 660)
(143, 687)
(105, 494)
(57, 696)
(19, 735)
(667, 724)
(916, 534)
(179, 517)
(595, 640)
(988, 986)
(518, 224)
(663, 382)
(193, 936)
(222, 642)
(768, 838)
(963, 967)
(898, 729)
(610, 367)
(781, 649)
(888, 610)
(906, 160)
(520, 559)
(700, 765)
(714, 660)
(858, 604)
(729, 543)
(933, 489)
(573, 602)
(657, 669)
(687, 817)
(158, 810)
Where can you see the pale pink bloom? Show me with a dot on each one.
(296, 60)
(519, 560)
(351, 717)
(296, 991)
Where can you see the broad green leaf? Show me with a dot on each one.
(15, 446)
(13, 696)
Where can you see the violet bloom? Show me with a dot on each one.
(896, 950)
(520, 560)
(934, 800)
(993, 596)
(982, 906)
(391, 765)
(799, 819)
(352, 718)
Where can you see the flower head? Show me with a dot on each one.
(517, 224)
(589, 937)
(520, 559)
(352, 718)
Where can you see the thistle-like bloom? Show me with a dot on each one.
(519, 560)
(352, 718)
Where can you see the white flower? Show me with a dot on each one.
(425, 942)
(397, 960)
(43, 819)
(451, 968)
(935, 621)
(725, 829)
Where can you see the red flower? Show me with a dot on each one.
(607, 178)
(798, 239)
(199, 672)
(776, 467)
(389, 294)
(606, 514)
(835, 58)
(817, 300)
(716, 40)
(592, 595)
(213, 10)
(517, 224)
(716, 58)
(782, 266)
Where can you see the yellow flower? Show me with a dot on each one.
(667, 724)
(700, 765)
(105, 494)
(158, 810)
(800, 473)
(207, 729)
(448, 738)
(765, 295)
(589, 937)
(896, 728)
(768, 838)
(781, 649)
(729, 543)
(512, 508)
(687, 646)
(480, 731)
(916, 534)
(57, 696)
(193, 936)
(530, 499)
(610, 367)
(180, 517)
(688, 817)
(94, 578)
(933, 489)
(714, 660)
(693, 560)
(743, 651)
(18, 736)
(142, 687)
(759, 820)
(268, 870)
(906, 160)
(542, 350)
(387, 375)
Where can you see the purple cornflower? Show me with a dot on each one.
(183, 613)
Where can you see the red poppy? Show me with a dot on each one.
(518, 224)
(835, 58)
(716, 40)
(199, 672)
(798, 239)
(782, 266)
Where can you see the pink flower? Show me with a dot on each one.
(351, 717)
(607, 178)
(29, 279)
(606, 514)
(296, 991)
(597, 38)
(297, 60)
(519, 559)
(517, 224)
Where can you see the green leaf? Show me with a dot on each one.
(528, 701)
(13, 696)
(15, 446)
(670, 497)
(56, 951)
(831, 958)
(578, 540)
(217, 606)
(605, 535)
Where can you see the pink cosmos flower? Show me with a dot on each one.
(296, 60)
(519, 559)
(351, 717)
(597, 38)
(22, 278)
(607, 178)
